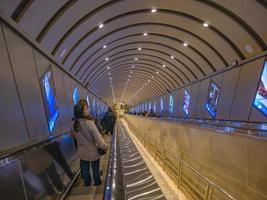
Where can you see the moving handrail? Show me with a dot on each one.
(45, 169)
(108, 183)
(113, 190)
(12, 155)
(250, 129)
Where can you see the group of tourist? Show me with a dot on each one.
(151, 113)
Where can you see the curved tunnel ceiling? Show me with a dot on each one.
(185, 40)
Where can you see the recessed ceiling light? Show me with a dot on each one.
(101, 26)
(153, 10)
(105, 46)
(131, 72)
(139, 49)
(185, 44)
(205, 24)
(108, 67)
(145, 83)
(148, 80)
(136, 59)
(164, 66)
(130, 76)
(106, 59)
(249, 48)
(157, 72)
(145, 34)
(152, 77)
(108, 73)
(133, 66)
(172, 57)
(234, 62)
(110, 78)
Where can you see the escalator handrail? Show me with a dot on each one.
(109, 169)
(16, 154)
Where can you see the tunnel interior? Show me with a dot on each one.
(185, 74)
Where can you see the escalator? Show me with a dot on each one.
(50, 171)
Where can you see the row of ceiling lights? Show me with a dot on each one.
(153, 10)
(164, 66)
(145, 34)
(112, 89)
(142, 87)
(126, 85)
(139, 49)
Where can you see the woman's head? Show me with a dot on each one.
(81, 109)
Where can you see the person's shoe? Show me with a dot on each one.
(98, 184)
(87, 185)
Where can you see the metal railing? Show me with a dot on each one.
(13, 155)
(190, 181)
(250, 129)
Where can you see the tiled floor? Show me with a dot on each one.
(79, 192)
(165, 183)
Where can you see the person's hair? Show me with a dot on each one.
(79, 114)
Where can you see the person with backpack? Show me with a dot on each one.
(90, 144)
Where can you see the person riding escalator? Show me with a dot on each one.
(109, 121)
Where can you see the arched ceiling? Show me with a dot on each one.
(177, 49)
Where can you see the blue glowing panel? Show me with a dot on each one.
(260, 101)
(161, 105)
(149, 106)
(94, 106)
(146, 106)
(171, 104)
(213, 99)
(98, 108)
(155, 106)
(75, 96)
(186, 103)
(51, 107)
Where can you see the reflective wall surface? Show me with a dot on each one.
(42, 171)
(23, 67)
(232, 161)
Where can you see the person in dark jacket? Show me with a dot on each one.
(109, 121)
(151, 113)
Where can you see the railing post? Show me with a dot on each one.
(164, 160)
(209, 192)
(180, 166)
(149, 141)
